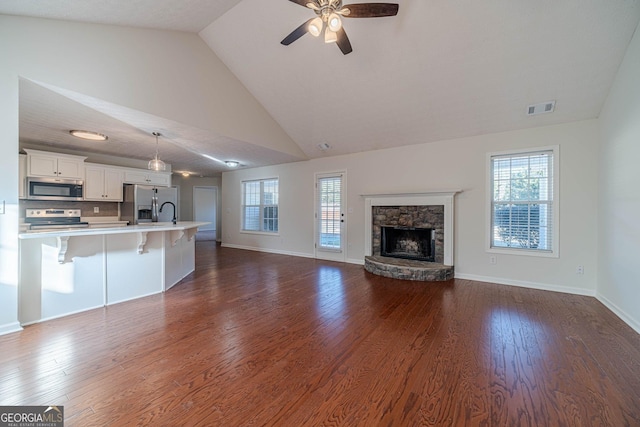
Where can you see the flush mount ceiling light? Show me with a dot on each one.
(156, 164)
(232, 163)
(86, 134)
(330, 14)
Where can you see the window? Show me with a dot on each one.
(260, 205)
(523, 206)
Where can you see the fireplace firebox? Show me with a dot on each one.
(408, 243)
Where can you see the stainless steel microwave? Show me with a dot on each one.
(54, 189)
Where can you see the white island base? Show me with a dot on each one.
(66, 272)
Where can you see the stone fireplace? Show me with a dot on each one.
(410, 236)
(421, 224)
(408, 243)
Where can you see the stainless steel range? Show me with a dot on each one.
(53, 219)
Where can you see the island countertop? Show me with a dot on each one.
(153, 226)
(65, 271)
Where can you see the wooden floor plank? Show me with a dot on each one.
(263, 339)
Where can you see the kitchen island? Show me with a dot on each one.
(72, 270)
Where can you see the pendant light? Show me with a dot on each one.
(156, 164)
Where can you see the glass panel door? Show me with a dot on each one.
(330, 217)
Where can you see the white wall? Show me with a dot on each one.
(8, 194)
(619, 204)
(456, 164)
(168, 74)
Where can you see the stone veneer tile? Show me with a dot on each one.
(408, 269)
(428, 216)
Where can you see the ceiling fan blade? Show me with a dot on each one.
(369, 10)
(343, 42)
(297, 33)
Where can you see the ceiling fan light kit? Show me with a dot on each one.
(330, 13)
(330, 36)
(334, 21)
(315, 27)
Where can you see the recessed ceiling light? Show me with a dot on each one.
(185, 174)
(86, 134)
(232, 163)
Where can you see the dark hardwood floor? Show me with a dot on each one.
(262, 339)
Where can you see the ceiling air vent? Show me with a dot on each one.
(543, 107)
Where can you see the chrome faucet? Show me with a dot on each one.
(173, 220)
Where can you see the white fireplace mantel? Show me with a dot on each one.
(432, 198)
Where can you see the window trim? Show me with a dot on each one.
(259, 232)
(555, 223)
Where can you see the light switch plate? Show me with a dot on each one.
(2, 209)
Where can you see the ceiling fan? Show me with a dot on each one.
(329, 13)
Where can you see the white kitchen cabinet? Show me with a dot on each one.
(22, 176)
(42, 163)
(103, 183)
(140, 176)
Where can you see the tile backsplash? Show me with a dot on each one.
(109, 209)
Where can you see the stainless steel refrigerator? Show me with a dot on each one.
(138, 199)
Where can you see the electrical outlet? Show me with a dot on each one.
(96, 209)
(579, 269)
(493, 259)
(2, 208)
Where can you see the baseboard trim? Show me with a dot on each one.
(267, 250)
(526, 284)
(10, 328)
(58, 316)
(355, 261)
(619, 312)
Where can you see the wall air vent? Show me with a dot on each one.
(543, 107)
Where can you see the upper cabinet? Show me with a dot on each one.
(141, 176)
(42, 163)
(103, 183)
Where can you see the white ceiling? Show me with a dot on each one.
(47, 113)
(183, 15)
(439, 70)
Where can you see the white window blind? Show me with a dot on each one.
(260, 205)
(522, 205)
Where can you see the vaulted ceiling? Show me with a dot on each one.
(439, 70)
